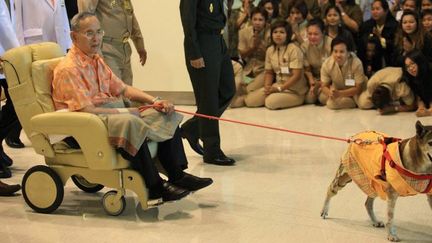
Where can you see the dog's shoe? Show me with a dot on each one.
(193, 141)
(192, 183)
(5, 171)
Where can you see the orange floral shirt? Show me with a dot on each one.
(80, 81)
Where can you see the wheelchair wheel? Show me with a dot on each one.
(42, 189)
(113, 206)
(86, 186)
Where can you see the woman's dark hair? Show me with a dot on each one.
(381, 97)
(317, 22)
(330, 7)
(426, 12)
(261, 11)
(281, 24)
(339, 40)
(348, 2)
(301, 7)
(417, 37)
(275, 7)
(422, 84)
(384, 4)
(342, 31)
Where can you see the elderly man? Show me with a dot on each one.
(83, 82)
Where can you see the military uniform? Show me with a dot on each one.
(280, 62)
(203, 22)
(118, 20)
(341, 78)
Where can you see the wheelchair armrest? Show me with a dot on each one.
(88, 129)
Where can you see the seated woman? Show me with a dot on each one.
(272, 9)
(427, 21)
(284, 64)
(383, 26)
(417, 74)
(298, 20)
(411, 29)
(83, 82)
(253, 42)
(387, 92)
(342, 77)
(374, 57)
(335, 27)
(316, 51)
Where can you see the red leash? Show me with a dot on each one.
(251, 124)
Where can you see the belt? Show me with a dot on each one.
(116, 40)
(211, 32)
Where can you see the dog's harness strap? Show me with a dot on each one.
(387, 157)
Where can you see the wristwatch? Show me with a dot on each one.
(279, 88)
(343, 14)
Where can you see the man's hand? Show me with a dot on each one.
(143, 57)
(198, 63)
(334, 93)
(164, 106)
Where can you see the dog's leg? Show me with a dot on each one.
(342, 178)
(369, 208)
(391, 202)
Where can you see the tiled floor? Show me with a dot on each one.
(273, 194)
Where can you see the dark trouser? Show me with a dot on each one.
(9, 125)
(214, 87)
(171, 155)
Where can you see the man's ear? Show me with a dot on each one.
(73, 36)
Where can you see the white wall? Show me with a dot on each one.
(165, 69)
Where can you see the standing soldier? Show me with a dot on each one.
(118, 20)
(211, 73)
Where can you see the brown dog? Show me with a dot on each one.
(386, 179)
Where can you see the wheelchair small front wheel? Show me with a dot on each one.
(86, 186)
(112, 205)
(42, 189)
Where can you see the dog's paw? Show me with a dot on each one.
(393, 238)
(378, 224)
(324, 213)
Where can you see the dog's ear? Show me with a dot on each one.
(420, 129)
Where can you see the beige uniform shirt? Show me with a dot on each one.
(316, 55)
(352, 69)
(391, 77)
(117, 19)
(281, 60)
(255, 62)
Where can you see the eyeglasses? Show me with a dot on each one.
(411, 65)
(91, 34)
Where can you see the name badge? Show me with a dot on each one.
(349, 82)
(285, 70)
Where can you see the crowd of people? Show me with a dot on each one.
(334, 53)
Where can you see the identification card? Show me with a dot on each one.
(349, 82)
(285, 70)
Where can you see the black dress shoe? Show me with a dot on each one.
(8, 190)
(219, 160)
(193, 141)
(14, 143)
(168, 192)
(192, 183)
(5, 159)
(5, 171)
